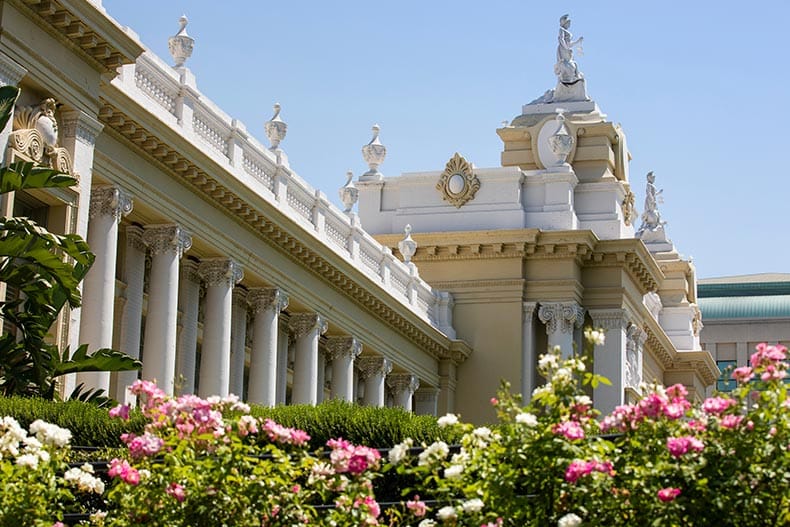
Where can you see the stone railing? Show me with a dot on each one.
(172, 95)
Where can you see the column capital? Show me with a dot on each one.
(400, 382)
(609, 318)
(528, 309)
(240, 297)
(343, 347)
(369, 366)
(167, 238)
(302, 323)
(262, 298)
(81, 126)
(220, 271)
(109, 201)
(561, 316)
(134, 237)
(189, 270)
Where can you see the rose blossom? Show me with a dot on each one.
(668, 494)
(416, 506)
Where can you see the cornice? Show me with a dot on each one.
(347, 281)
(86, 29)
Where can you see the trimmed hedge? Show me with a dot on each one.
(374, 427)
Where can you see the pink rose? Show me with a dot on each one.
(668, 494)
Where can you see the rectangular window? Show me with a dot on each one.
(725, 382)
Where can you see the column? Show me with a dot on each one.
(610, 360)
(342, 351)
(403, 386)
(107, 206)
(220, 275)
(560, 318)
(284, 342)
(321, 380)
(238, 341)
(167, 244)
(528, 352)
(373, 371)
(132, 316)
(425, 400)
(307, 328)
(188, 307)
(266, 304)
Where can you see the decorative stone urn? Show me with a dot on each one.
(373, 153)
(181, 44)
(275, 128)
(407, 246)
(561, 142)
(349, 194)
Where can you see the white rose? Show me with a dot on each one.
(473, 505)
(446, 513)
(453, 471)
(569, 520)
(526, 418)
(27, 460)
(447, 420)
(427, 523)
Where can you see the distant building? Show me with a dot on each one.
(739, 312)
(225, 271)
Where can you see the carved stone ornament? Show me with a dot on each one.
(349, 194)
(220, 272)
(262, 298)
(374, 153)
(407, 246)
(627, 206)
(301, 324)
(561, 142)
(35, 136)
(696, 321)
(109, 201)
(458, 183)
(275, 128)
(369, 366)
(181, 44)
(401, 382)
(561, 316)
(166, 238)
(343, 347)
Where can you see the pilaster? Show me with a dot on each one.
(610, 359)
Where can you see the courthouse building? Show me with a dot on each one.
(225, 271)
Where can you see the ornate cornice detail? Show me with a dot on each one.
(167, 238)
(458, 183)
(609, 318)
(263, 298)
(561, 316)
(400, 382)
(369, 366)
(189, 271)
(173, 161)
(220, 272)
(659, 351)
(338, 347)
(303, 323)
(109, 201)
(134, 238)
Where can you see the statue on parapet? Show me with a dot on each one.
(651, 218)
(570, 81)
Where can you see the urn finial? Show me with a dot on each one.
(561, 143)
(276, 128)
(373, 153)
(181, 44)
(407, 246)
(349, 194)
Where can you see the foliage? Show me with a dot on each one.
(37, 484)
(46, 270)
(662, 461)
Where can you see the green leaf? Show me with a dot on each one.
(24, 175)
(104, 359)
(8, 97)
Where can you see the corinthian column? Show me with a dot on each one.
(342, 351)
(132, 317)
(266, 304)
(220, 275)
(373, 371)
(188, 305)
(307, 328)
(167, 244)
(609, 358)
(238, 341)
(403, 386)
(107, 206)
(560, 319)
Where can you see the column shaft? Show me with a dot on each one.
(342, 352)
(131, 318)
(188, 307)
(266, 304)
(238, 341)
(374, 371)
(610, 359)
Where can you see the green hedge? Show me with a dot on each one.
(374, 427)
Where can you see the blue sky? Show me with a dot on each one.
(700, 89)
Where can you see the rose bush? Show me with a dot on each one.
(37, 484)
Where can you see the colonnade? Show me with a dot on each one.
(181, 289)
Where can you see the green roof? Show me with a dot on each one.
(758, 296)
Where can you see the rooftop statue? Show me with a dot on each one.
(566, 69)
(651, 218)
